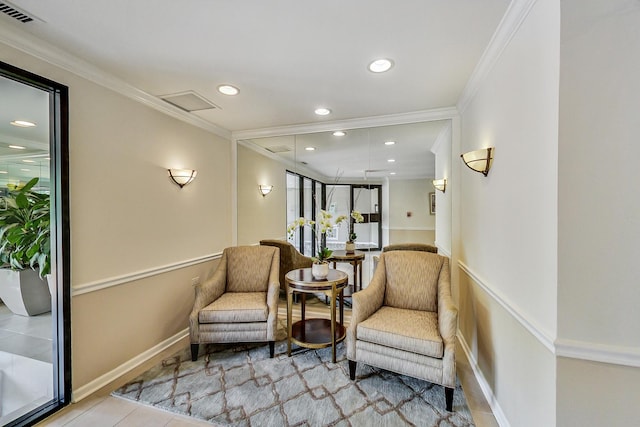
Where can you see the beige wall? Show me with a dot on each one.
(598, 292)
(127, 217)
(260, 217)
(410, 195)
(511, 361)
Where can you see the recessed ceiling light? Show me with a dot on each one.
(17, 147)
(310, 148)
(380, 65)
(23, 123)
(228, 90)
(25, 170)
(339, 133)
(390, 143)
(4, 172)
(392, 173)
(322, 111)
(28, 161)
(391, 160)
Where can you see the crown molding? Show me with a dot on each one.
(31, 45)
(348, 124)
(509, 25)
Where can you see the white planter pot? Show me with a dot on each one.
(24, 292)
(320, 271)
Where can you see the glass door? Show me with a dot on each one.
(34, 229)
(367, 199)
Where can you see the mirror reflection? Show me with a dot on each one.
(385, 173)
(26, 345)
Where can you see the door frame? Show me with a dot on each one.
(60, 238)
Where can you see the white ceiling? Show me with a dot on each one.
(287, 57)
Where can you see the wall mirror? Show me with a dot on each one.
(34, 271)
(384, 172)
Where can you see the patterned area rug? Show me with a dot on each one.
(241, 386)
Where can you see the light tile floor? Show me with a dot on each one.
(26, 336)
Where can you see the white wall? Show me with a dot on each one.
(598, 250)
(508, 221)
(127, 218)
(442, 149)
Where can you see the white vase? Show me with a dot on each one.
(24, 292)
(350, 247)
(320, 271)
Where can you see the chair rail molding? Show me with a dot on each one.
(131, 277)
(530, 325)
(597, 352)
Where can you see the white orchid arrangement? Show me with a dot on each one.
(357, 218)
(319, 229)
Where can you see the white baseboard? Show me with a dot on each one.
(498, 413)
(95, 385)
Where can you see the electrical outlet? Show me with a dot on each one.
(195, 281)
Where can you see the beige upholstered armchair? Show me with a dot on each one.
(239, 303)
(405, 321)
(290, 258)
(405, 247)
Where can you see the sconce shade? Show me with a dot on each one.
(440, 184)
(182, 177)
(265, 189)
(479, 160)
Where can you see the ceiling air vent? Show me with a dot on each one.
(279, 149)
(12, 11)
(189, 101)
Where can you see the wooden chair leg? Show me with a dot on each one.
(448, 397)
(272, 348)
(352, 369)
(194, 352)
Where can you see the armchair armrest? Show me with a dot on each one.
(447, 310)
(273, 295)
(206, 293)
(447, 325)
(365, 303)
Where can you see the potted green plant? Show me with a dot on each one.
(25, 250)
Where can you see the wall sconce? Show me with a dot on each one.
(479, 160)
(265, 189)
(182, 177)
(440, 184)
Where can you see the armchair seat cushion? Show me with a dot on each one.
(409, 330)
(234, 307)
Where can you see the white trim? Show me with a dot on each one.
(348, 124)
(529, 324)
(25, 42)
(443, 137)
(408, 229)
(442, 251)
(92, 386)
(596, 352)
(498, 413)
(127, 278)
(508, 27)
